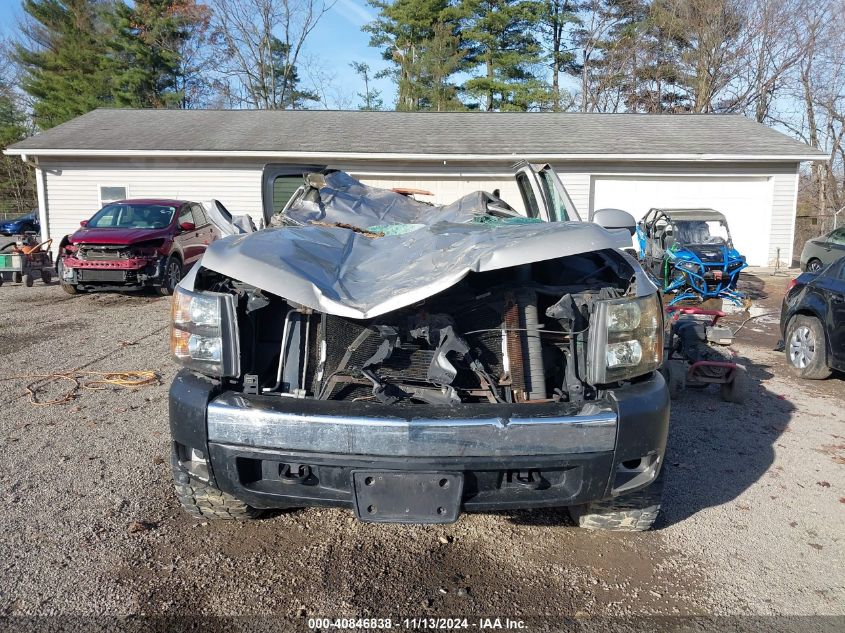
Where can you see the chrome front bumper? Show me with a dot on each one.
(289, 424)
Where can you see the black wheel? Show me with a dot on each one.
(675, 374)
(806, 348)
(204, 501)
(17, 277)
(46, 276)
(814, 265)
(737, 389)
(71, 289)
(28, 280)
(634, 512)
(172, 276)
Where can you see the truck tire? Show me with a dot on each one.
(675, 374)
(634, 512)
(28, 280)
(46, 276)
(17, 277)
(736, 390)
(806, 348)
(204, 501)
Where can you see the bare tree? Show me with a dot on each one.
(771, 49)
(819, 85)
(594, 44)
(322, 82)
(261, 42)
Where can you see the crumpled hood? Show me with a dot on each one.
(339, 271)
(118, 236)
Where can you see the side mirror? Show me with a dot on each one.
(615, 219)
(84, 223)
(187, 226)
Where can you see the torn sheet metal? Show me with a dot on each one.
(338, 197)
(346, 273)
(227, 223)
(338, 271)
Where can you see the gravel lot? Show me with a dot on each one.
(753, 520)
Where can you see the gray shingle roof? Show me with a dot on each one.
(516, 134)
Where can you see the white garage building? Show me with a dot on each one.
(626, 161)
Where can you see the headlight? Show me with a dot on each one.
(203, 334)
(685, 265)
(626, 339)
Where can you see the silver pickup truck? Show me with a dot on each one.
(410, 361)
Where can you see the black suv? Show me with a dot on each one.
(812, 321)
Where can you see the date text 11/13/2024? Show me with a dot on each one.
(417, 623)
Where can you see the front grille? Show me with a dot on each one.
(114, 276)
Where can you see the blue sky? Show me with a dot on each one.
(335, 42)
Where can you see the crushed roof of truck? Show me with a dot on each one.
(327, 257)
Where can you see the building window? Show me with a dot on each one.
(111, 193)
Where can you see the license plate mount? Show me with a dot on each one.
(404, 497)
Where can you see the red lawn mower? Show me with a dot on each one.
(695, 356)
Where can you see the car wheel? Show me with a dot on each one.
(46, 276)
(806, 349)
(814, 265)
(17, 277)
(71, 289)
(172, 276)
(28, 280)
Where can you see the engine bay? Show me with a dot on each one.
(513, 335)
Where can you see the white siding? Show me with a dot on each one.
(71, 185)
(779, 223)
(745, 201)
(577, 184)
(784, 201)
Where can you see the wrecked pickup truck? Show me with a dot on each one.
(411, 361)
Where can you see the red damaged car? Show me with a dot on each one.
(133, 244)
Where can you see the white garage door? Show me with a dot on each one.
(746, 203)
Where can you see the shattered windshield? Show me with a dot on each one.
(132, 216)
(709, 232)
(556, 194)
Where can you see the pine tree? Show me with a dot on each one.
(557, 16)
(145, 53)
(660, 84)
(506, 51)
(370, 98)
(62, 59)
(17, 182)
(441, 56)
(420, 39)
